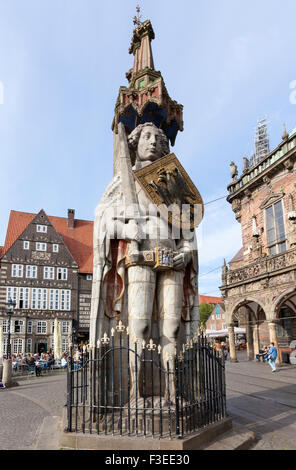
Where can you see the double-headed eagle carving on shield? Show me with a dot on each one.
(166, 183)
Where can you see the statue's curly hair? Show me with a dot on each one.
(134, 137)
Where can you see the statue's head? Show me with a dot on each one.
(148, 143)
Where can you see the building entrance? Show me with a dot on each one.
(41, 348)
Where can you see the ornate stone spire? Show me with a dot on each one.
(146, 99)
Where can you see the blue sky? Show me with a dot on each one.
(229, 62)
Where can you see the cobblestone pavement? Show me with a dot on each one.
(23, 409)
(264, 402)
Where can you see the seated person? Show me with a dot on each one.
(262, 354)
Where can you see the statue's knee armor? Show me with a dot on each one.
(140, 328)
(170, 327)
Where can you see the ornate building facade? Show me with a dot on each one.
(258, 286)
(46, 269)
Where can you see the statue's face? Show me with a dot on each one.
(149, 145)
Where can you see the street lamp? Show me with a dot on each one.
(73, 334)
(10, 311)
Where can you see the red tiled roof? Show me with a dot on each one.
(78, 240)
(210, 300)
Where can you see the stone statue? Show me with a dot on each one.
(158, 302)
(233, 171)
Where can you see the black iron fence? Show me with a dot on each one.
(131, 390)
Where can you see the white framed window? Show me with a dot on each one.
(11, 293)
(224, 326)
(26, 245)
(65, 303)
(23, 300)
(62, 274)
(29, 327)
(89, 277)
(65, 344)
(48, 272)
(275, 228)
(54, 299)
(55, 248)
(213, 326)
(65, 327)
(4, 346)
(42, 299)
(41, 327)
(34, 298)
(5, 326)
(40, 246)
(42, 228)
(29, 345)
(17, 346)
(31, 271)
(26, 297)
(17, 270)
(18, 326)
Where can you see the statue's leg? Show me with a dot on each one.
(170, 302)
(141, 288)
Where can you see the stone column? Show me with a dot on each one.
(7, 372)
(232, 350)
(250, 344)
(273, 337)
(256, 339)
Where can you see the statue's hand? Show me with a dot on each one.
(181, 260)
(132, 231)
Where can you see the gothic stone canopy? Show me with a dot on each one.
(146, 98)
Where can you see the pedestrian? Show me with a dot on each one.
(271, 356)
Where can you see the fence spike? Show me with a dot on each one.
(151, 346)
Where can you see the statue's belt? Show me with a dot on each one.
(159, 259)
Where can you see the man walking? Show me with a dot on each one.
(271, 356)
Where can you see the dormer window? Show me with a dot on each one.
(42, 228)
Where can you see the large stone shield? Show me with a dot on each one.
(168, 186)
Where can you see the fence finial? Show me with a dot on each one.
(151, 346)
(120, 327)
(105, 339)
